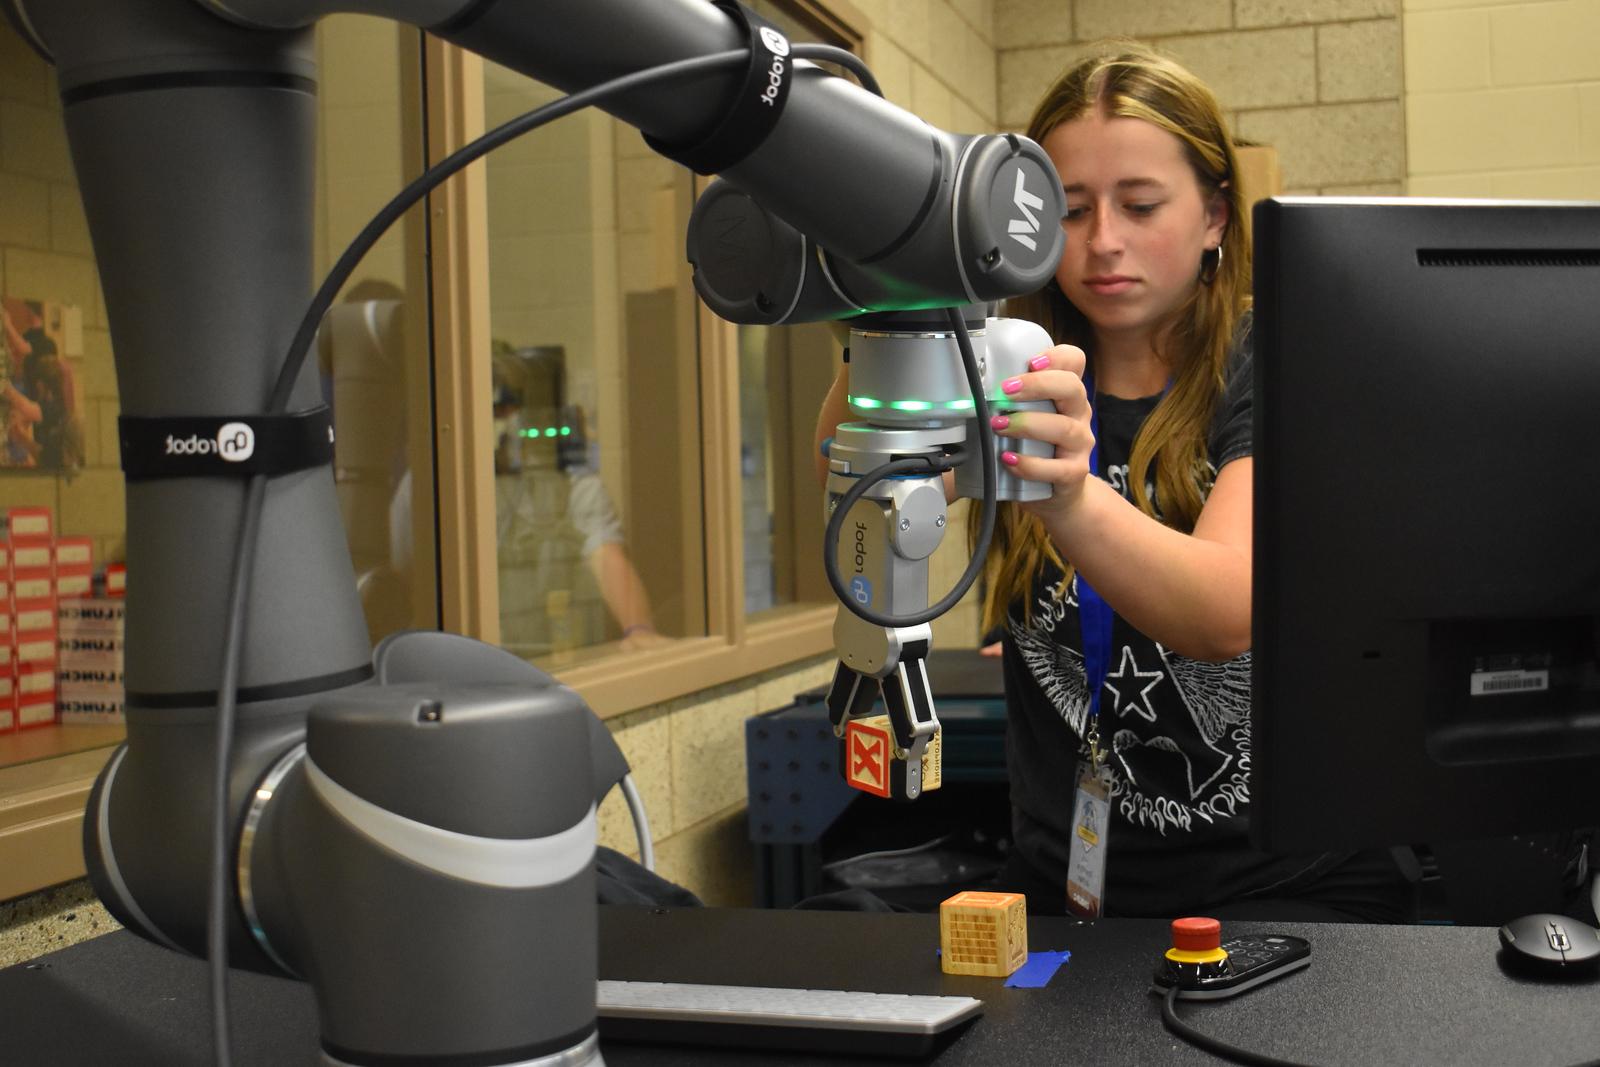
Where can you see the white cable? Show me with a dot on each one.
(641, 823)
(887, 853)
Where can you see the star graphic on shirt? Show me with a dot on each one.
(1129, 675)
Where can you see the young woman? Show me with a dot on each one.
(1144, 546)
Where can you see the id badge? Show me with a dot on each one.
(1086, 850)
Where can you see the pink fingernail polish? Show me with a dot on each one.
(1011, 385)
(1039, 362)
(1000, 422)
(1008, 458)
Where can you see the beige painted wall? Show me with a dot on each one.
(1503, 98)
(1320, 80)
(688, 762)
(936, 58)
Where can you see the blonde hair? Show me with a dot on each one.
(1135, 82)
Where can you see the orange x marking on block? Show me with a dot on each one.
(868, 754)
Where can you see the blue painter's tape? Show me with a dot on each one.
(1037, 972)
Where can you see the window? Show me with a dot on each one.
(657, 522)
(599, 519)
(374, 354)
(374, 348)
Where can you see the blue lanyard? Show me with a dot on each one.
(1094, 614)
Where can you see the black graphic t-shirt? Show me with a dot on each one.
(1177, 730)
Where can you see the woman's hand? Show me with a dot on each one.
(1056, 375)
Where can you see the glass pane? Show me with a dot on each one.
(784, 374)
(58, 413)
(596, 389)
(374, 348)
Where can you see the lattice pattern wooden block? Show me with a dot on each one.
(983, 933)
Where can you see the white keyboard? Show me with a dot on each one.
(814, 1020)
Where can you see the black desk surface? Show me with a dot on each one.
(1372, 995)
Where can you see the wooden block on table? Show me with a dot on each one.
(983, 933)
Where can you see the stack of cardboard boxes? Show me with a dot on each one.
(90, 670)
(60, 646)
(31, 581)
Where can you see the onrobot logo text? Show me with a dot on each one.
(235, 443)
(775, 40)
(779, 45)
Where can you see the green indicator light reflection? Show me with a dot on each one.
(865, 402)
(910, 405)
(960, 405)
(566, 431)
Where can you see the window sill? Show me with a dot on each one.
(629, 681)
(42, 803)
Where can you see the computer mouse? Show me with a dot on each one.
(1551, 942)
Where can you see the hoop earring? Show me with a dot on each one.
(1209, 270)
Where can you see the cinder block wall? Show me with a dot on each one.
(936, 58)
(1503, 98)
(1318, 79)
(688, 762)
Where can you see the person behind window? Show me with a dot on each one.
(563, 568)
(361, 355)
(19, 413)
(1151, 377)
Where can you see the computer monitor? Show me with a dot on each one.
(1427, 521)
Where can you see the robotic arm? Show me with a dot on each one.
(414, 827)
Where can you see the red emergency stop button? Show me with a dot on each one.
(1196, 935)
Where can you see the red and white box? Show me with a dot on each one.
(90, 645)
(103, 649)
(33, 628)
(30, 524)
(34, 648)
(74, 585)
(8, 699)
(77, 708)
(35, 711)
(31, 584)
(94, 679)
(34, 616)
(90, 682)
(35, 681)
(116, 579)
(74, 567)
(32, 556)
(90, 615)
(74, 554)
